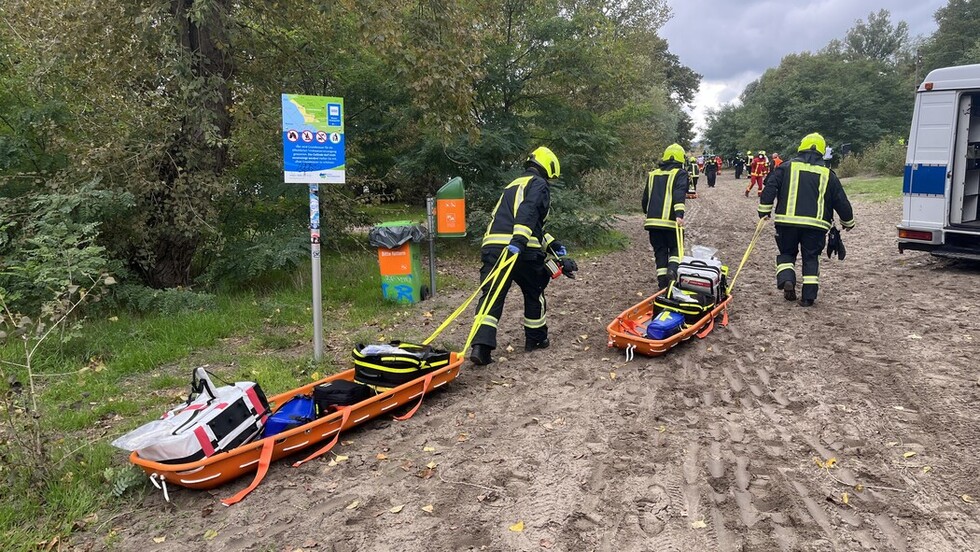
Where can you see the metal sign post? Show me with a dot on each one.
(315, 262)
(430, 211)
(313, 147)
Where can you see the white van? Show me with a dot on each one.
(941, 188)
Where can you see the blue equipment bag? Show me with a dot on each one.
(664, 325)
(295, 412)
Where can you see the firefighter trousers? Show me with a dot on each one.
(711, 179)
(738, 172)
(756, 180)
(664, 242)
(792, 240)
(532, 277)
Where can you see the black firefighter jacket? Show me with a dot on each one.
(520, 214)
(808, 194)
(663, 196)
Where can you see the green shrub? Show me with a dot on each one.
(144, 300)
(886, 157)
(619, 189)
(849, 166)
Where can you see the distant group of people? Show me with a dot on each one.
(707, 164)
(802, 194)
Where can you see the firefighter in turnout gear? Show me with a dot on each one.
(759, 169)
(663, 203)
(806, 195)
(517, 228)
(694, 172)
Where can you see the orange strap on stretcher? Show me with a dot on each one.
(265, 458)
(425, 385)
(336, 437)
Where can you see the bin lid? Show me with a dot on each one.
(394, 234)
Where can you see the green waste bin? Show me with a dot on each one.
(400, 260)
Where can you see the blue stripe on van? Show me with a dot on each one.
(924, 179)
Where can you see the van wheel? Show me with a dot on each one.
(424, 292)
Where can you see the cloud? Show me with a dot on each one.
(733, 43)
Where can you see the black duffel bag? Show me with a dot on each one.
(328, 396)
(396, 363)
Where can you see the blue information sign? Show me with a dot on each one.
(313, 139)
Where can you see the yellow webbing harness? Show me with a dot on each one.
(496, 278)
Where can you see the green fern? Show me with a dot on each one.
(122, 479)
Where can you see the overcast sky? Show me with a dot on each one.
(732, 43)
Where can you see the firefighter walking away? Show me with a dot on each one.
(806, 195)
(663, 203)
(517, 228)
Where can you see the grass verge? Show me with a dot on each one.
(881, 188)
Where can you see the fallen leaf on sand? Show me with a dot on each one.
(845, 498)
(859, 487)
(431, 465)
(825, 465)
(699, 524)
(913, 336)
(428, 449)
(612, 375)
(210, 534)
(381, 456)
(341, 458)
(662, 428)
(909, 454)
(584, 336)
(397, 509)
(968, 499)
(353, 505)
(427, 508)
(891, 444)
(517, 527)
(159, 540)
(510, 349)
(926, 469)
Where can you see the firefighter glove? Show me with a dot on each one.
(561, 251)
(569, 267)
(513, 249)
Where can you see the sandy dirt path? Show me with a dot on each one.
(711, 447)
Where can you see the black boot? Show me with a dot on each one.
(789, 291)
(480, 355)
(531, 345)
(806, 302)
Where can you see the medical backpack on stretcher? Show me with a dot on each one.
(390, 365)
(212, 420)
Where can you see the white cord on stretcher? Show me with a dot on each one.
(161, 485)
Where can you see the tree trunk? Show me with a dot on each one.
(198, 152)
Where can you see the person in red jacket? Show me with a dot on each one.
(758, 171)
(718, 162)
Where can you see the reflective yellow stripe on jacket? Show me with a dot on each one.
(790, 216)
(494, 238)
(663, 221)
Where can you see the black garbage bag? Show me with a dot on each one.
(393, 237)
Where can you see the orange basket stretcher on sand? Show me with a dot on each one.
(256, 456)
(628, 330)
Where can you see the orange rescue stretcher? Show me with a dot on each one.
(256, 456)
(628, 330)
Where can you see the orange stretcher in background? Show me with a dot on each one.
(628, 330)
(256, 456)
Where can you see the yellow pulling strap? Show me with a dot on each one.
(680, 241)
(748, 250)
(504, 272)
(459, 310)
